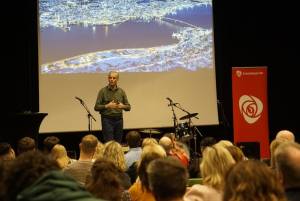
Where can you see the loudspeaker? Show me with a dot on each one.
(250, 149)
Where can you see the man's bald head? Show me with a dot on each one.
(285, 135)
(166, 143)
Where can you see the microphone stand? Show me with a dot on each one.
(89, 115)
(175, 121)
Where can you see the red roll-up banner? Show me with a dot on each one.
(250, 106)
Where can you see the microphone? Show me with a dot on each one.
(79, 99)
(169, 99)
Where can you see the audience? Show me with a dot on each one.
(167, 179)
(59, 153)
(105, 181)
(236, 153)
(285, 135)
(140, 189)
(214, 165)
(81, 168)
(133, 139)
(49, 142)
(34, 176)
(174, 151)
(287, 160)
(99, 151)
(113, 152)
(252, 180)
(149, 141)
(7, 153)
(25, 144)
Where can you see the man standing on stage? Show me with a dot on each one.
(110, 103)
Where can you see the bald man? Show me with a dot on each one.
(285, 135)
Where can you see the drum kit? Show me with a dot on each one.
(184, 130)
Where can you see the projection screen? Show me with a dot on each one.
(163, 49)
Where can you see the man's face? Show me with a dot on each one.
(113, 79)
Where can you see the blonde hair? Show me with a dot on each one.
(215, 163)
(99, 151)
(273, 146)
(113, 151)
(59, 153)
(149, 141)
(149, 153)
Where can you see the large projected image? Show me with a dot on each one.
(162, 48)
(189, 45)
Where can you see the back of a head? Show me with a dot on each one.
(166, 143)
(104, 172)
(149, 153)
(252, 180)
(287, 157)
(167, 178)
(286, 135)
(149, 141)
(215, 163)
(6, 152)
(133, 139)
(236, 153)
(49, 142)
(88, 144)
(25, 144)
(113, 151)
(25, 170)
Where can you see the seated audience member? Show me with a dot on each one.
(133, 139)
(49, 142)
(81, 168)
(273, 146)
(225, 143)
(7, 153)
(105, 181)
(25, 144)
(215, 163)
(113, 152)
(149, 141)
(236, 153)
(285, 135)
(207, 142)
(59, 153)
(287, 160)
(99, 151)
(173, 151)
(252, 180)
(39, 179)
(140, 189)
(167, 179)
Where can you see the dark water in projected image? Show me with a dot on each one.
(57, 44)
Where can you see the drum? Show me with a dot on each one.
(183, 131)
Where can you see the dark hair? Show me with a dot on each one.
(133, 139)
(25, 144)
(105, 180)
(4, 148)
(167, 178)
(25, 170)
(50, 142)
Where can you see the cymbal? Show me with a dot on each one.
(188, 116)
(150, 131)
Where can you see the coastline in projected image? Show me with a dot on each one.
(128, 36)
